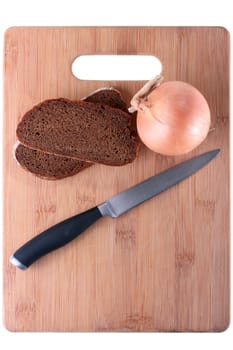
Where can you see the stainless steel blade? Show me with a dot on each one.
(135, 195)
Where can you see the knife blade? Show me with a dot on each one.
(67, 230)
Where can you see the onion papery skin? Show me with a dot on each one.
(173, 119)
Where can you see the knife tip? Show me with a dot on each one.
(217, 151)
(214, 153)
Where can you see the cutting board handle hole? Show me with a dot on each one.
(116, 67)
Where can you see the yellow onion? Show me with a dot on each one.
(172, 118)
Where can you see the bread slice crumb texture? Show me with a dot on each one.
(86, 131)
(48, 166)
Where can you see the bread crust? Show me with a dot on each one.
(87, 131)
(34, 160)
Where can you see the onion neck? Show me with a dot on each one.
(137, 102)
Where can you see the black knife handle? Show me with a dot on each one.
(53, 238)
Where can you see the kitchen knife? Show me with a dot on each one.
(65, 231)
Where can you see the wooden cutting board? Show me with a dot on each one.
(163, 266)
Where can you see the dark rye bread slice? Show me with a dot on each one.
(48, 166)
(109, 96)
(87, 131)
(53, 167)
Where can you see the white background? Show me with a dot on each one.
(110, 12)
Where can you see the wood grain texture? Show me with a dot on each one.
(163, 266)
